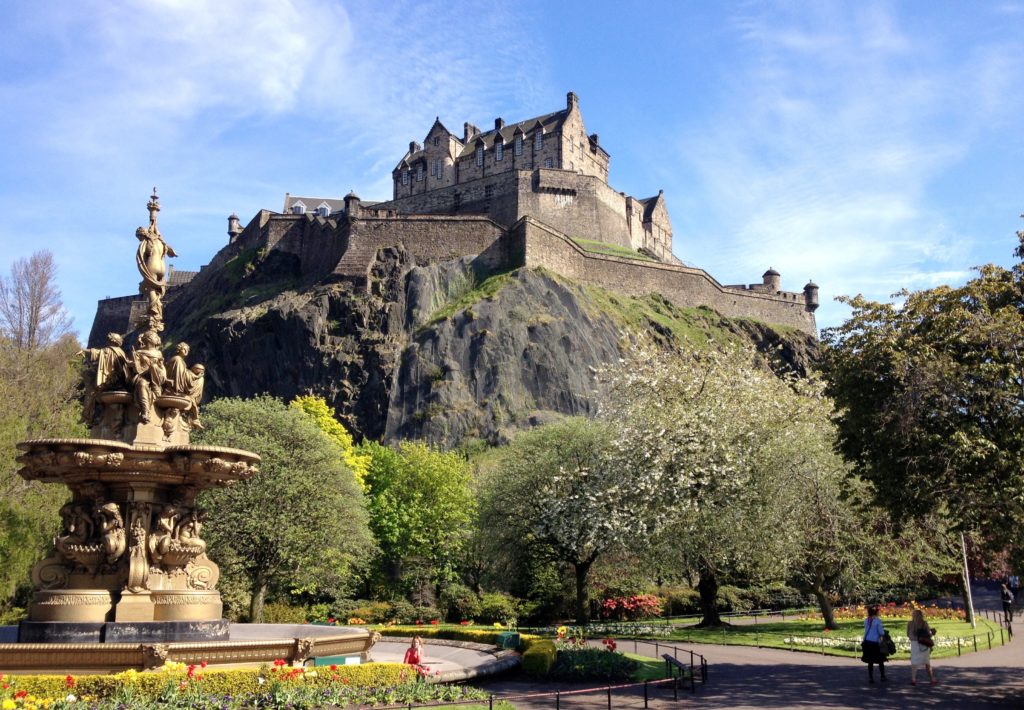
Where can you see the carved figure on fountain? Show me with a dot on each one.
(108, 372)
(151, 259)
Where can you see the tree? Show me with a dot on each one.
(301, 522)
(701, 424)
(31, 312)
(421, 507)
(316, 408)
(930, 398)
(566, 486)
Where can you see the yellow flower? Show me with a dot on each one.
(8, 704)
(497, 625)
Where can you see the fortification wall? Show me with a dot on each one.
(112, 316)
(683, 286)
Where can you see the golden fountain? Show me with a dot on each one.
(129, 583)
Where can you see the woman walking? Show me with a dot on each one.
(921, 643)
(871, 648)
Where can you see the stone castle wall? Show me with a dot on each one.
(684, 286)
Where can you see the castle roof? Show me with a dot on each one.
(548, 122)
(312, 203)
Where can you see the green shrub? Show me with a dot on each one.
(459, 602)
(373, 612)
(426, 614)
(732, 599)
(283, 613)
(539, 658)
(456, 634)
(591, 664)
(679, 601)
(498, 606)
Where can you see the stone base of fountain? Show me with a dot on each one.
(122, 632)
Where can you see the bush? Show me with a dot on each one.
(373, 612)
(526, 641)
(539, 658)
(679, 601)
(459, 603)
(426, 614)
(633, 608)
(284, 613)
(591, 664)
(500, 607)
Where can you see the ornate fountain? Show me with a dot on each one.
(128, 583)
(130, 562)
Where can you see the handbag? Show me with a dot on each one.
(924, 638)
(886, 645)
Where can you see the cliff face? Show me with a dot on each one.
(436, 352)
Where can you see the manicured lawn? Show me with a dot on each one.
(650, 668)
(809, 636)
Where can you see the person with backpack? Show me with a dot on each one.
(921, 643)
(871, 646)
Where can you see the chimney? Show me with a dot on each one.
(571, 101)
(234, 228)
(499, 123)
(595, 139)
(413, 147)
(468, 131)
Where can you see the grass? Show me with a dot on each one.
(695, 326)
(596, 247)
(488, 288)
(809, 636)
(650, 668)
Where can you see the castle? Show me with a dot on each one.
(533, 193)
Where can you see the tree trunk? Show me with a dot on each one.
(708, 588)
(962, 583)
(259, 596)
(582, 571)
(818, 590)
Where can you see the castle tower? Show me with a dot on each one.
(811, 296)
(772, 280)
(234, 228)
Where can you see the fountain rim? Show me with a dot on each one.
(122, 446)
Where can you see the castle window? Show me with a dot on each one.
(323, 210)
(538, 140)
(489, 191)
(499, 150)
(548, 163)
(298, 208)
(480, 155)
(405, 177)
(437, 139)
(517, 147)
(419, 172)
(438, 168)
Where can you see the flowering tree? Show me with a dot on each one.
(566, 486)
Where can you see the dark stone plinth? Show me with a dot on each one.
(122, 632)
(60, 632)
(165, 631)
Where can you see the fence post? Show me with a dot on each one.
(989, 640)
(558, 700)
(645, 693)
(975, 638)
(609, 697)
(757, 635)
(958, 645)
(490, 702)
(656, 652)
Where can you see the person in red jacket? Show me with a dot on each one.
(414, 654)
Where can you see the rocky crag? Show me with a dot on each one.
(439, 351)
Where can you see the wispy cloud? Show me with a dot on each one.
(821, 153)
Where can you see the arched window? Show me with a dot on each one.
(479, 155)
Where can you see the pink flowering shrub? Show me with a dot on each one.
(634, 608)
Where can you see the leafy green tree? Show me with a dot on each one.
(316, 408)
(421, 508)
(930, 398)
(301, 522)
(39, 389)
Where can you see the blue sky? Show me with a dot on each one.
(867, 145)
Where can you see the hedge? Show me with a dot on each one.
(457, 634)
(539, 658)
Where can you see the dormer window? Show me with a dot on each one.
(324, 210)
(405, 177)
(298, 208)
(538, 140)
(480, 155)
(499, 150)
(419, 173)
(517, 146)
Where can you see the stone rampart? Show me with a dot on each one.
(684, 286)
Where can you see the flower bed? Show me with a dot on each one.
(178, 686)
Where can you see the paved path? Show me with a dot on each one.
(744, 677)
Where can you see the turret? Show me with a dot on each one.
(811, 296)
(772, 280)
(352, 204)
(234, 228)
